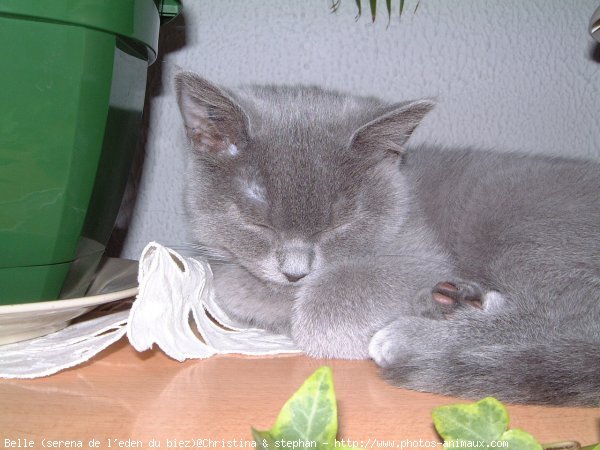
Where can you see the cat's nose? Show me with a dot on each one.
(295, 260)
(293, 277)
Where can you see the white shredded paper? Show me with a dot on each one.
(170, 288)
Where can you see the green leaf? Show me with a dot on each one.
(310, 415)
(485, 420)
(359, 6)
(520, 440)
(417, 7)
(264, 441)
(388, 5)
(592, 447)
(373, 4)
(401, 7)
(482, 423)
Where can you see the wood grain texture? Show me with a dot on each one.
(122, 394)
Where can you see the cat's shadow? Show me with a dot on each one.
(172, 37)
(594, 52)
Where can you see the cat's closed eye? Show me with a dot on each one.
(335, 228)
(263, 226)
(260, 227)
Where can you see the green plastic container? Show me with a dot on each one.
(73, 84)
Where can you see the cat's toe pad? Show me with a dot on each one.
(450, 295)
(457, 293)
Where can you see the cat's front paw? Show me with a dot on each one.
(383, 348)
(321, 330)
(399, 341)
(335, 316)
(323, 339)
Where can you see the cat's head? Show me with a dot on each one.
(287, 180)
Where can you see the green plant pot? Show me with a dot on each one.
(73, 84)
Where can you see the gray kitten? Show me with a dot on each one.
(459, 272)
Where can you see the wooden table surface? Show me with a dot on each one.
(127, 396)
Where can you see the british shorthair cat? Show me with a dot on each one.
(459, 272)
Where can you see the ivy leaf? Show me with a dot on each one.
(264, 441)
(484, 422)
(519, 439)
(310, 415)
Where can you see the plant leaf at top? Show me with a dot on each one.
(417, 7)
(373, 8)
(359, 6)
(373, 4)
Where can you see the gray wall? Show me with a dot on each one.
(508, 75)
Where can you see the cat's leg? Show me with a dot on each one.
(337, 313)
(536, 342)
(515, 355)
(419, 337)
(252, 302)
(436, 356)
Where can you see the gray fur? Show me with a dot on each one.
(336, 234)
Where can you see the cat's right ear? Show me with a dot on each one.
(214, 122)
(390, 131)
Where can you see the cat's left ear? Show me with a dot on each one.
(213, 120)
(391, 130)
